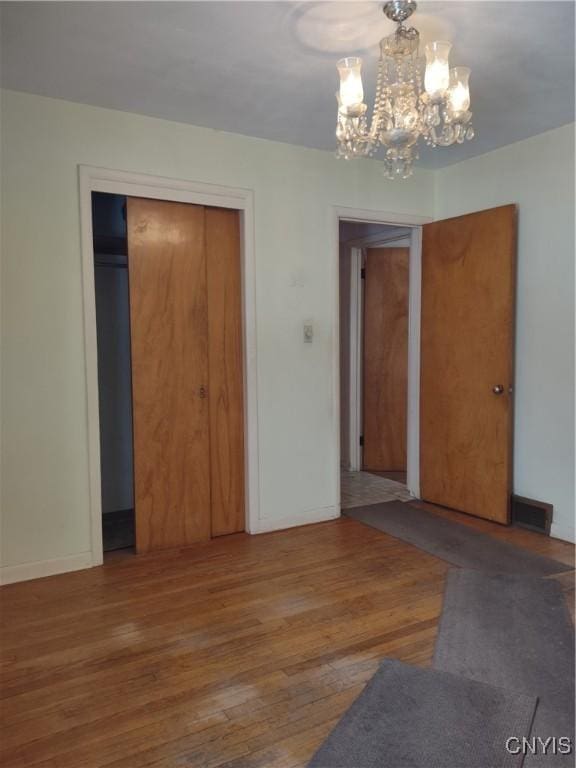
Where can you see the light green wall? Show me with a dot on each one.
(45, 488)
(538, 175)
(45, 471)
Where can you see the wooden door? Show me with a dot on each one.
(385, 359)
(468, 289)
(226, 370)
(169, 340)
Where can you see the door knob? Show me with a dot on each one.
(498, 389)
(202, 391)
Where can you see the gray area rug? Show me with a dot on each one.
(517, 633)
(408, 717)
(456, 543)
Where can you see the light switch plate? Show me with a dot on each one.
(308, 333)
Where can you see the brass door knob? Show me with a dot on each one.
(498, 389)
(202, 392)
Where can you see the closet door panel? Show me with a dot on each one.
(169, 343)
(226, 370)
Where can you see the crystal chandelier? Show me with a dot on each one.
(407, 106)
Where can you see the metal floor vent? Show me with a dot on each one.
(531, 514)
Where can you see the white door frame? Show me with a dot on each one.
(355, 372)
(414, 306)
(92, 179)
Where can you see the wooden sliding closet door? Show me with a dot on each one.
(385, 359)
(169, 338)
(226, 370)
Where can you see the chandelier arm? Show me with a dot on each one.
(407, 109)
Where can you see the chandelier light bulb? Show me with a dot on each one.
(351, 93)
(413, 103)
(459, 91)
(437, 75)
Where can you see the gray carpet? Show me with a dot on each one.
(408, 717)
(515, 632)
(456, 543)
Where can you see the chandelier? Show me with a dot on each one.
(407, 106)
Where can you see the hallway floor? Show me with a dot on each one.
(358, 489)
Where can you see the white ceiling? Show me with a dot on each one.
(267, 69)
(355, 230)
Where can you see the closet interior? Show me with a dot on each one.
(114, 369)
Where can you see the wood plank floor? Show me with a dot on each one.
(242, 652)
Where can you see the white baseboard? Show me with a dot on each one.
(267, 525)
(564, 532)
(9, 574)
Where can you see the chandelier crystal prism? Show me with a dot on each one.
(414, 99)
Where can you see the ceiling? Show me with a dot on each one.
(348, 231)
(267, 69)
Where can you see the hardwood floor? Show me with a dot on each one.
(242, 652)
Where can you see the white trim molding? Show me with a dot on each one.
(414, 355)
(118, 182)
(267, 525)
(381, 217)
(10, 574)
(355, 372)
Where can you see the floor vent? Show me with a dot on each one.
(531, 514)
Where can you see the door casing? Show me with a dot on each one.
(94, 179)
(413, 417)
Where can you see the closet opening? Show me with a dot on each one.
(114, 370)
(169, 333)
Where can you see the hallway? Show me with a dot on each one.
(358, 489)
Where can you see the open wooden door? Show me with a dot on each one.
(467, 347)
(385, 359)
(169, 338)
